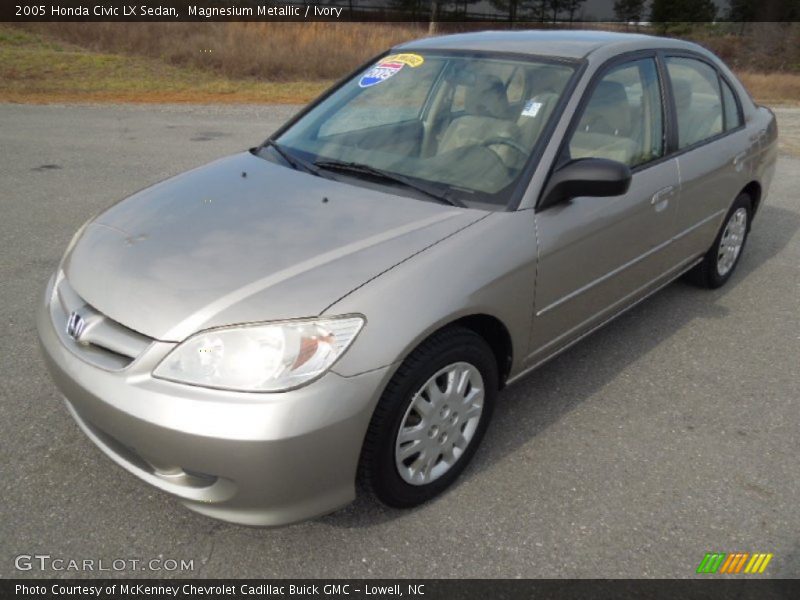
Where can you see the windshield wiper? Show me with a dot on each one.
(297, 163)
(358, 168)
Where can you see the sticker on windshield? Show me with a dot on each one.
(531, 108)
(388, 67)
(412, 60)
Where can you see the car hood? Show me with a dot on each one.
(242, 240)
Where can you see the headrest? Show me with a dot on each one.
(487, 98)
(608, 93)
(682, 88)
(544, 79)
(609, 104)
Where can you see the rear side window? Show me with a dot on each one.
(732, 117)
(695, 86)
(622, 120)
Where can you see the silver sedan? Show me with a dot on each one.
(344, 302)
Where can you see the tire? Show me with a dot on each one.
(405, 473)
(721, 260)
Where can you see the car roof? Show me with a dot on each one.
(567, 43)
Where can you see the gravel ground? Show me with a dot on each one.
(670, 433)
(789, 130)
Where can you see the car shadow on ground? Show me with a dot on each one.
(602, 356)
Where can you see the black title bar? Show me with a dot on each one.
(508, 11)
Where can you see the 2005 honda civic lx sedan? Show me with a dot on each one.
(343, 303)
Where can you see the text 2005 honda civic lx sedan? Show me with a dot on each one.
(343, 302)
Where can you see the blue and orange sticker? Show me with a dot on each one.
(387, 67)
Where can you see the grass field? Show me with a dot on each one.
(772, 88)
(224, 62)
(37, 69)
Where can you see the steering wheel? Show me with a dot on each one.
(503, 141)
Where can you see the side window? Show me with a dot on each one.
(732, 117)
(697, 99)
(623, 119)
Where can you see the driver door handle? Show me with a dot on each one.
(661, 198)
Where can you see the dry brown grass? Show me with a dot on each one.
(273, 62)
(265, 51)
(772, 88)
(37, 69)
(762, 47)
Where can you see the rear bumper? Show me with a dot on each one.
(255, 459)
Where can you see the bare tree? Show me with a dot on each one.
(555, 8)
(464, 6)
(537, 9)
(432, 24)
(629, 11)
(743, 11)
(571, 7)
(511, 6)
(665, 12)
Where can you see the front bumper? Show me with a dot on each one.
(255, 459)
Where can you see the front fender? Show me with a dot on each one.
(488, 268)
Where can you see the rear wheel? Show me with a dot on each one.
(430, 419)
(722, 258)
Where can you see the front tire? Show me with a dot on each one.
(430, 419)
(721, 260)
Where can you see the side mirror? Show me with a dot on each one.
(598, 177)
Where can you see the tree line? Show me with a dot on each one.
(628, 11)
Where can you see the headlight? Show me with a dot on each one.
(260, 358)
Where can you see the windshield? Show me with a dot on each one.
(461, 123)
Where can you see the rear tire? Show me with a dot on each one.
(430, 419)
(722, 258)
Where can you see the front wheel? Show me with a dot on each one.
(722, 258)
(430, 419)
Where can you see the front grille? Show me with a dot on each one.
(101, 340)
